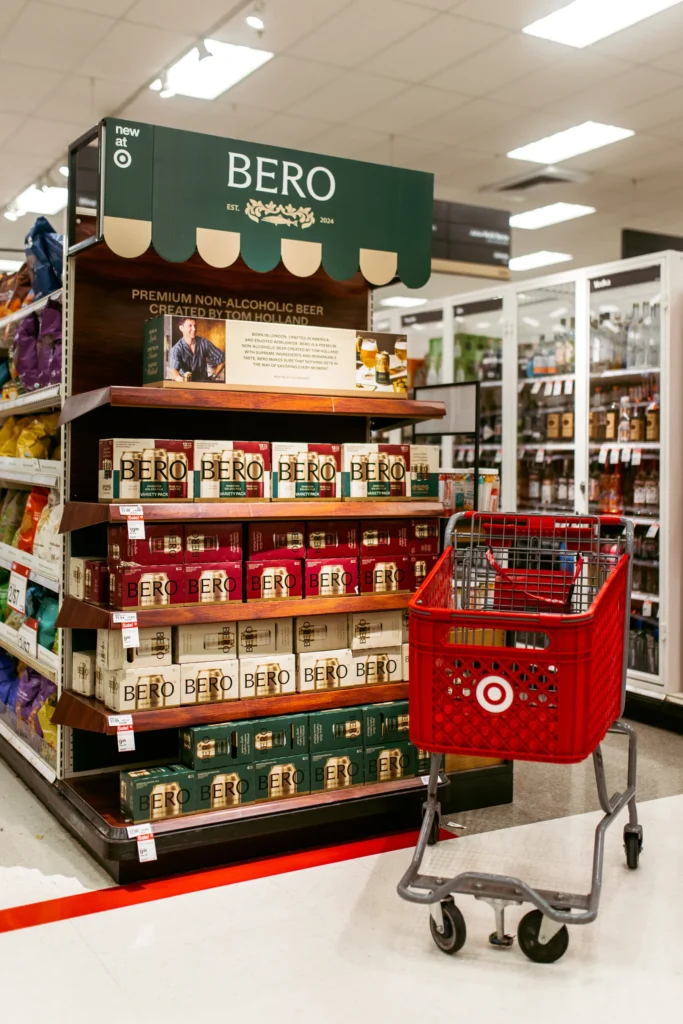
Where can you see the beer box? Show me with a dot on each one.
(83, 672)
(370, 630)
(204, 642)
(337, 769)
(209, 682)
(282, 777)
(212, 542)
(405, 625)
(269, 675)
(306, 471)
(140, 689)
(386, 723)
(389, 574)
(77, 568)
(379, 537)
(284, 734)
(162, 545)
(271, 580)
(216, 746)
(147, 586)
(167, 356)
(377, 666)
(423, 536)
(329, 730)
(232, 471)
(220, 788)
(405, 661)
(274, 541)
(375, 472)
(320, 633)
(100, 675)
(264, 636)
(326, 538)
(420, 568)
(152, 794)
(424, 471)
(389, 762)
(96, 581)
(154, 648)
(326, 670)
(213, 584)
(330, 577)
(133, 469)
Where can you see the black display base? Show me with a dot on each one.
(663, 714)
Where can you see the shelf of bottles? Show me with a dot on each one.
(546, 398)
(478, 355)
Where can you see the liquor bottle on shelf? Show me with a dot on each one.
(616, 492)
(594, 484)
(490, 364)
(640, 492)
(618, 343)
(652, 491)
(653, 337)
(569, 346)
(534, 486)
(567, 422)
(612, 417)
(563, 484)
(652, 419)
(553, 419)
(595, 432)
(560, 340)
(634, 339)
(624, 428)
(548, 485)
(539, 362)
(637, 415)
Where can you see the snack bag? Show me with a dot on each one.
(25, 352)
(47, 617)
(27, 691)
(46, 543)
(11, 514)
(34, 440)
(37, 500)
(9, 433)
(8, 679)
(40, 710)
(44, 726)
(44, 250)
(50, 344)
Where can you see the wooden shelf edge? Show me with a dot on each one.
(79, 712)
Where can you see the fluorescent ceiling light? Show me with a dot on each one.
(555, 213)
(571, 142)
(483, 324)
(529, 320)
(47, 200)
(9, 266)
(402, 302)
(558, 312)
(254, 22)
(543, 258)
(157, 85)
(64, 171)
(585, 21)
(206, 77)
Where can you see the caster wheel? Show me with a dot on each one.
(633, 844)
(454, 932)
(527, 936)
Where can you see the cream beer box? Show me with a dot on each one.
(258, 356)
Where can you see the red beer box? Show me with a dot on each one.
(274, 581)
(423, 536)
(133, 469)
(162, 545)
(96, 581)
(146, 586)
(389, 574)
(420, 568)
(331, 577)
(379, 537)
(270, 542)
(213, 542)
(217, 583)
(332, 538)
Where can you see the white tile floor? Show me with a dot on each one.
(331, 944)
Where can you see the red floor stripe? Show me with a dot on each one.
(67, 907)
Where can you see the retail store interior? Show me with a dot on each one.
(364, 673)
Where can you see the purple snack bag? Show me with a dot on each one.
(46, 690)
(55, 372)
(27, 691)
(25, 352)
(50, 344)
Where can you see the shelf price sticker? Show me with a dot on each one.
(135, 520)
(499, 455)
(647, 609)
(540, 455)
(637, 456)
(27, 637)
(625, 454)
(602, 456)
(614, 456)
(470, 454)
(653, 531)
(568, 387)
(125, 736)
(557, 387)
(147, 850)
(536, 387)
(16, 591)
(130, 634)
(548, 389)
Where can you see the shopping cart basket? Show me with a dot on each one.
(518, 650)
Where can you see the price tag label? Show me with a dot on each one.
(653, 531)
(130, 510)
(536, 387)
(470, 454)
(548, 389)
(602, 456)
(540, 455)
(135, 521)
(626, 455)
(16, 591)
(147, 850)
(130, 634)
(647, 609)
(557, 387)
(614, 456)
(116, 721)
(520, 386)
(499, 455)
(568, 387)
(125, 738)
(460, 457)
(637, 456)
(27, 637)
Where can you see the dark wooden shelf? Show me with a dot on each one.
(75, 614)
(402, 409)
(81, 712)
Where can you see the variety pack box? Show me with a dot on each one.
(370, 630)
(377, 666)
(379, 537)
(326, 670)
(420, 568)
(282, 777)
(405, 659)
(330, 730)
(232, 471)
(327, 538)
(391, 574)
(215, 746)
(270, 542)
(151, 794)
(423, 536)
(274, 580)
(213, 584)
(154, 649)
(162, 545)
(140, 689)
(96, 581)
(424, 471)
(76, 581)
(330, 577)
(390, 761)
(306, 471)
(405, 625)
(285, 734)
(83, 672)
(147, 586)
(269, 675)
(264, 636)
(204, 642)
(184, 350)
(134, 469)
(337, 769)
(220, 788)
(375, 472)
(385, 723)
(212, 542)
(209, 682)
(320, 633)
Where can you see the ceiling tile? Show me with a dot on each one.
(283, 81)
(613, 158)
(502, 62)
(113, 8)
(648, 40)
(21, 91)
(286, 22)
(467, 120)
(518, 131)
(541, 88)
(9, 123)
(285, 130)
(361, 30)
(649, 114)
(347, 96)
(84, 100)
(408, 110)
(436, 5)
(52, 37)
(434, 47)
(134, 53)
(177, 15)
(21, 171)
(605, 100)
(38, 136)
(345, 140)
(508, 13)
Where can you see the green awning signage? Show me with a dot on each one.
(183, 192)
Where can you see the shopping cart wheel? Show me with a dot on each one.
(454, 928)
(633, 844)
(527, 936)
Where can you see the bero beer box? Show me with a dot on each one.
(380, 537)
(140, 689)
(147, 586)
(277, 580)
(264, 636)
(320, 633)
(284, 734)
(221, 788)
(330, 577)
(303, 471)
(420, 568)
(152, 794)
(215, 746)
(370, 630)
(161, 545)
(330, 730)
(377, 666)
(424, 471)
(212, 542)
(388, 574)
(205, 641)
(267, 675)
(277, 540)
(390, 761)
(134, 469)
(83, 672)
(332, 538)
(326, 670)
(213, 584)
(154, 648)
(209, 682)
(423, 536)
(384, 723)
(375, 472)
(232, 471)
(282, 777)
(337, 769)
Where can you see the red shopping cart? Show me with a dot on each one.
(518, 650)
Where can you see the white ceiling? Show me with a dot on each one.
(447, 86)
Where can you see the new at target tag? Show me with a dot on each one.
(130, 634)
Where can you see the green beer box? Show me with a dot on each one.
(385, 723)
(216, 746)
(152, 794)
(337, 769)
(424, 471)
(222, 788)
(282, 777)
(390, 761)
(284, 734)
(332, 730)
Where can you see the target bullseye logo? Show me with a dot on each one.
(494, 694)
(122, 158)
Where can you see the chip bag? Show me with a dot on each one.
(37, 500)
